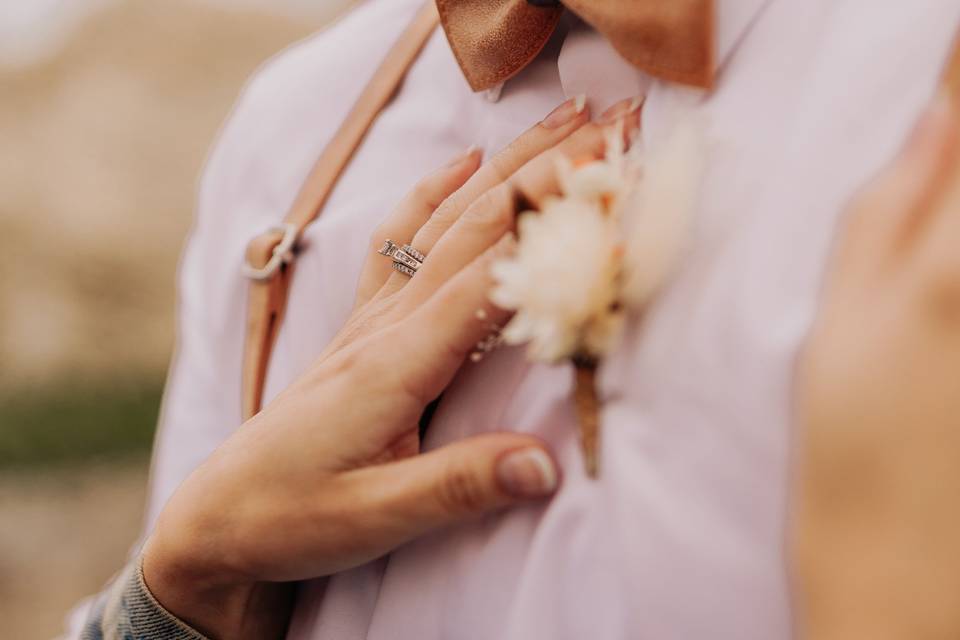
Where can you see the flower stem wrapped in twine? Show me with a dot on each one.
(587, 403)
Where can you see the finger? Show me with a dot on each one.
(560, 123)
(415, 209)
(889, 214)
(438, 336)
(557, 126)
(538, 178)
(494, 213)
(407, 364)
(622, 109)
(532, 144)
(406, 499)
(426, 348)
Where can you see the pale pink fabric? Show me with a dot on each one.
(682, 537)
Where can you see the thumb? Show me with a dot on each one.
(405, 499)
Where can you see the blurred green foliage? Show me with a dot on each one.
(78, 422)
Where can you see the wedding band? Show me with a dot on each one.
(414, 253)
(406, 259)
(404, 269)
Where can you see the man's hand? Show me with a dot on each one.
(878, 524)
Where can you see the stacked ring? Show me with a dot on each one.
(406, 259)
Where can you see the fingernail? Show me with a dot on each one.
(527, 473)
(471, 151)
(580, 102)
(566, 112)
(621, 109)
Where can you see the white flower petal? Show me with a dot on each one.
(561, 276)
(659, 212)
(570, 270)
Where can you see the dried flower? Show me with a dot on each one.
(658, 211)
(606, 244)
(562, 281)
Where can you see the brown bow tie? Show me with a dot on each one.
(494, 39)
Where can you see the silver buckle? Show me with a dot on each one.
(282, 254)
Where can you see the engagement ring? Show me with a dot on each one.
(405, 258)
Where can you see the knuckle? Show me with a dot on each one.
(491, 211)
(448, 208)
(411, 387)
(350, 362)
(502, 166)
(453, 349)
(460, 491)
(345, 364)
(424, 192)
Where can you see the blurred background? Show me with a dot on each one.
(107, 109)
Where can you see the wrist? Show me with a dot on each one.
(215, 603)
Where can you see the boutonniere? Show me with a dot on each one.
(594, 254)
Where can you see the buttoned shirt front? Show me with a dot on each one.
(683, 534)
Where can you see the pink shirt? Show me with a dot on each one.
(683, 534)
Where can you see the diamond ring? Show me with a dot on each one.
(406, 259)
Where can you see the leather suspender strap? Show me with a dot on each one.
(270, 256)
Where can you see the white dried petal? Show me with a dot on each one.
(571, 275)
(658, 213)
(562, 276)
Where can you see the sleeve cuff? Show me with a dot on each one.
(129, 610)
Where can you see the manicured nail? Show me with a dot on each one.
(527, 473)
(469, 154)
(566, 112)
(621, 109)
(580, 102)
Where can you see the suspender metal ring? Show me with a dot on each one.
(282, 253)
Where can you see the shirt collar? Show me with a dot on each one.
(733, 19)
(584, 51)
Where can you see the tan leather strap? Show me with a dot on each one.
(270, 256)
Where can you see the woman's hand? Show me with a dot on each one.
(878, 525)
(326, 477)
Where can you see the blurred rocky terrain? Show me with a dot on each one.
(100, 147)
